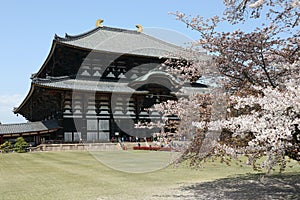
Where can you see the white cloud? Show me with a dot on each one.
(7, 103)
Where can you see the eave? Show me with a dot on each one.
(31, 90)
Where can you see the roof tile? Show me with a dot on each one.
(28, 127)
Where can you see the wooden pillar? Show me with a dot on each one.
(72, 136)
(98, 136)
(1, 139)
(84, 100)
(37, 138)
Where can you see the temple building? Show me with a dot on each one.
(95, 86)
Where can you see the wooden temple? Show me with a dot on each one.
(95, 86)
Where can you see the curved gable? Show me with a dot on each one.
(156, 77)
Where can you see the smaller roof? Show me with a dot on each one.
(29, 127)
(86, 85)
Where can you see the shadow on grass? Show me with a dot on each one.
(258, 186)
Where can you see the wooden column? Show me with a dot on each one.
(84, 100)
(37, 138)
(1, 139)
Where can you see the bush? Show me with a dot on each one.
(6, 147)
(20, 145)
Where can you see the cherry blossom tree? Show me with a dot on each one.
(260, 74)
(270, 127)
(284, 13)
(247, 58)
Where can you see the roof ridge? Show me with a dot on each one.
(73, 37)
(87, 33)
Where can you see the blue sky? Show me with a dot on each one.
(28, 28)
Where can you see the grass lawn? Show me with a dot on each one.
(80, 175)
(135, 161)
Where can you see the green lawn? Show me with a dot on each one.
(81, 175)
(135, 161)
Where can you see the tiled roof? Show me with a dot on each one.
(114, 87)
(123, 41)
(85, 85)
(28, 127)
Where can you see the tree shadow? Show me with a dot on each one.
(257, 186)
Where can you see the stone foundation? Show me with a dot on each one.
(72, 147)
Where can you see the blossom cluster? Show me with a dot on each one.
(259, 72)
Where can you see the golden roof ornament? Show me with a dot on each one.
(140, 28)
(99, 23)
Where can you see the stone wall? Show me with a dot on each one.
(72, 147)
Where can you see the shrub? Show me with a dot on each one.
(20, 145)
(6, 147)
